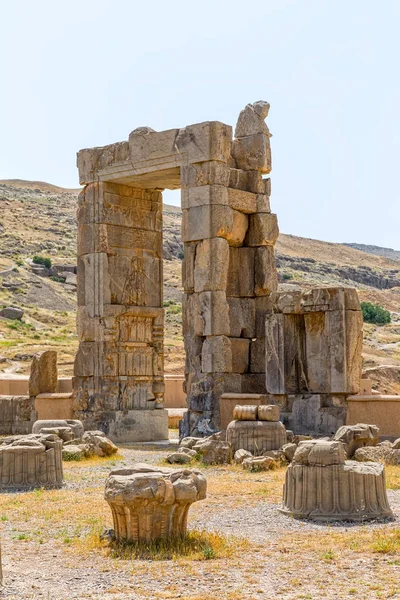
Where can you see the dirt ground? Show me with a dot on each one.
(51, 546)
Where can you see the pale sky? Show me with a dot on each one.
(77, 74)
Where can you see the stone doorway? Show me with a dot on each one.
(228, 272)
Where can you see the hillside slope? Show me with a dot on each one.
(39, 218)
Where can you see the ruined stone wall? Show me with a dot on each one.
(119, 364)
(229, 234)
(313, 356)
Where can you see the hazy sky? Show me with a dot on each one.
(81, 74)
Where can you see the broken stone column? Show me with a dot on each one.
(151, 503)
(256, 429)
(229, 235)
(31, 461)
(320, 484)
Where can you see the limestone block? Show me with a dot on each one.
(253, 383)
(214, 452)
(245, 202)
(192, 321)
(275, 355)
(242, 317)
(263, 230)
(91, 160)
(179, 458)
(189, 442)
(211, 265)
(216, 355)
(253, 153)
(221, 354)
(204, 393)
(240, 455)
(357, 436)
(251, 120)
(206, 173)
(323, 486)
(267, 186)
(256, 436)
(240, 354)
(188, 267)
(44, 375)
(150, 503)
(326, 299)
(268, 412)
(263, 204)
(257, 355)
(31, 461)
(99, 444)
(207, 221)
(266, 276)
(94, 283)
(383, 454)
(214, 311)
(205, 195)
(248, 181)
(205, 142)
(289, 450)
(258, 463)
(240, 280)
(73, 424)
(354, 343)
(263, 308)
(135, 278)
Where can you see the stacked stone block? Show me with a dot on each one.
(313, 355)
(229, 235)
(119, 364)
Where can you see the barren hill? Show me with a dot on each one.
(39, 218)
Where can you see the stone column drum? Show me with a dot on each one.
(150, 503)
(256, 429)
(321, 485)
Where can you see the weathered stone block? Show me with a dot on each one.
(206, 173)
(216, 355)
(209, 221)
(91, 160)
(188, 267)
(211, 265)
(275, 355)
(240, 280)
(245, 202)
(253, 153)
(135, 278)
(206, 195)
(263, 203)
(150, 503)
(94, 283)
(214, 312)
(251, 120)
(266, 276)
(357, 436)
(240, 348)
(257, 355)
(263, 230)
(321, 485)
(44, 375)
(256, 436)
(242, 317)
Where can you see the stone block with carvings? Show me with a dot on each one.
(150, 503)
(321, 485)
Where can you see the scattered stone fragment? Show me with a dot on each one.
(100, 444)
(357, 436)
(240, 455)
(179, 458)
(289, 450)
(73, 453)
(259, 463)
(214, 452)
(189, 442)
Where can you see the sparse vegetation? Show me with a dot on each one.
(373, 313)
(42, 260)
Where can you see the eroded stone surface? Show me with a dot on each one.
(150, 503)
(320, 484)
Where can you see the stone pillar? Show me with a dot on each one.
(229, 235)
(119, 365)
